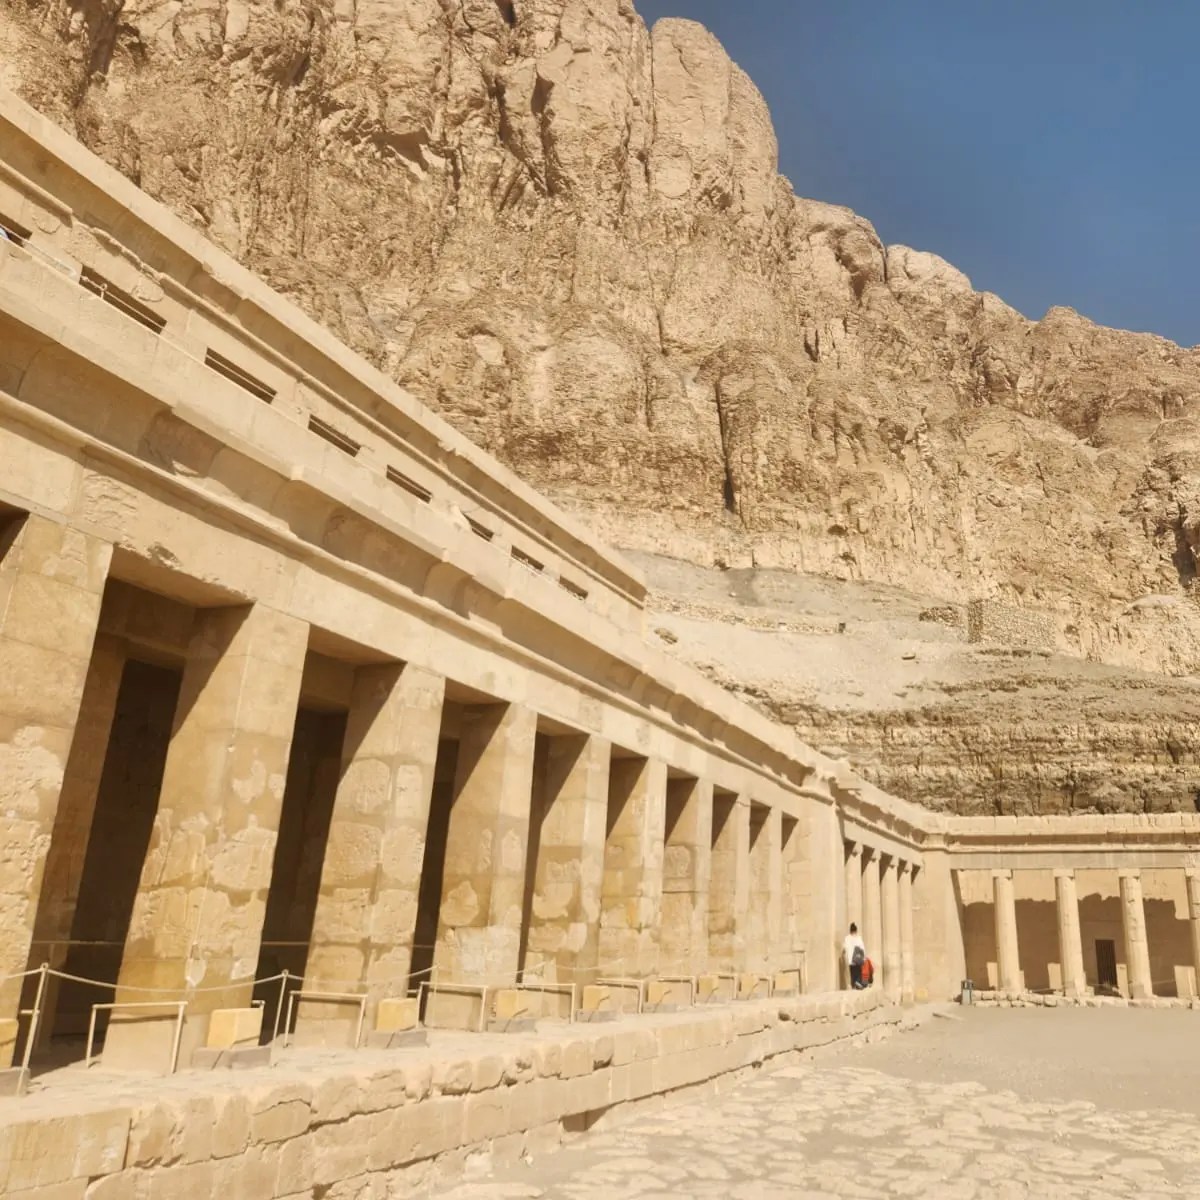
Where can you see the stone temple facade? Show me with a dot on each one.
(318, 726)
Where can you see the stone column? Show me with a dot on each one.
(198, 916)
(1193, 892)
(1137, 947)
(729, 889)
(367, 906)
(686, 873)
(631, 897)
(483, 884)
(907, 944)
(564, 930)
(51, 585)
(890, 894)
(1070, 942)
(1008, 958)
(872, 923)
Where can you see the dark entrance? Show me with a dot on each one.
(121, 825)
(314, 768)
(1106, 965)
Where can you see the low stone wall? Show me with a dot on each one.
(994, 999)
(991, 621)
(372, 1124)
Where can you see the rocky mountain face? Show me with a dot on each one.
(568, 234)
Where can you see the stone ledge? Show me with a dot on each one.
(396, 1121)
(994, 999)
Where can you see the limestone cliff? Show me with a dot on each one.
(569, 234)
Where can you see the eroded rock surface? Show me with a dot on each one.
(569, 235)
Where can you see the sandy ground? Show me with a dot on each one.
(1116, 1058)
(987, 1105)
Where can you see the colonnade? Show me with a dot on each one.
(522, 846)
(1068, 975)
(879, 900)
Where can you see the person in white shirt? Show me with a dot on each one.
(855, 954)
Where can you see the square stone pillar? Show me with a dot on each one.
(67, 855)
(1070, 942)
(1193, 893)
(1137, 946)
(483, 883)
(687, 867)
(198, 916)
(890, 898)
(1007, 950)
(854, 885)
(766, 881)
(367, 907)
(907, 944)
(51, 585)
(940, 959)
(729, 887)
(564, 931)
(631, 897)
(872, 923)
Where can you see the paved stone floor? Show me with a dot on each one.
(926, 1114)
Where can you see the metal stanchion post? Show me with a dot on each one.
(283, 981)
(35, 1016)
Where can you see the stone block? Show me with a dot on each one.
(340, 1149)
(714, 989)
(239, 1058)
(786, 983)
(453, 1010)
(397, 1014)
(453, 1077)
(577, 1058)
(602, 1051)
(8, 1042)
(1185, 982)
(486, 1117)
(296, 1171)
(381, 1040)
(13, 1081)
(279, 1113)
(140, 1040)
(234, 1027)
(664, 995)
(510, 1010)
(751, 986)
(488, 1073)
(426, 1129)
(596, 997)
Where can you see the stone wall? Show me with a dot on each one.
(992, 621)
(396, 1124)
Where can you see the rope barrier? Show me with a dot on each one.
(147, 991)
(21, 975)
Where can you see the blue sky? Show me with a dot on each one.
(1050, 150)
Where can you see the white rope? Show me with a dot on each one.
(190, 991)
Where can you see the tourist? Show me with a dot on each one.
(855, 954)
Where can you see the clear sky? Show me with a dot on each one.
(1050, 150)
